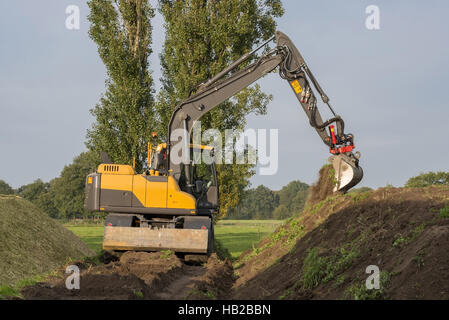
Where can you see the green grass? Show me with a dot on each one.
(318, 268)
(240, 235)
(92, 235)
(444, 212)
(402, 240)
(358, 290)
(234, 235)
(13, 291)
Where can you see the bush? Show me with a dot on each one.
(439, 178)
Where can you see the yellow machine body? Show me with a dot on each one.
(142, 190)
(148, 211)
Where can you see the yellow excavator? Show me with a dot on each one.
(172, 204)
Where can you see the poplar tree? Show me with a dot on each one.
(202, 38)
(125, 115)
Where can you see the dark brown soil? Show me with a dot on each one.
(400, 230)
(216, 282)
(140, 275)
(182, 286)
(137, 275)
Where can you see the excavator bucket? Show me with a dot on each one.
(347, 172)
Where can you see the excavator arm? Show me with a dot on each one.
(151, 211)
(293, 68)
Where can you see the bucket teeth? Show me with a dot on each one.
(347, 172)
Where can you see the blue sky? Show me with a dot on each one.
(389, 85)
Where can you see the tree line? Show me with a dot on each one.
(264, 203)
(63, 197)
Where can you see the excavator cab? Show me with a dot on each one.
(203, 176)
(203, 179)
(205, 187)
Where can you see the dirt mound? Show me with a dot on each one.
(324, 187)
(32, 243)
(404, 232)
(153, 268)
(141, 275)
(136, 275)
(289, 233)
(92, 287)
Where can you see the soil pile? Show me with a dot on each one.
(32, 243)
(141, 275)
(136, 275)
(403, 232)
(324, 187)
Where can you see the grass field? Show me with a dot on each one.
(240, 235)
(91, 234)
(235, 235)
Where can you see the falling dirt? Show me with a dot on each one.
(323, 188)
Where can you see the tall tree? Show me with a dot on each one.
(202, 38)
(258, 203)
(68, 189)
(125, 116)
(5, 188)
(293, 196)
(40, 194)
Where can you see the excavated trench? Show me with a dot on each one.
(139, 275)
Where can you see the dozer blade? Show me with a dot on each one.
(146, 239)
(347, 172)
